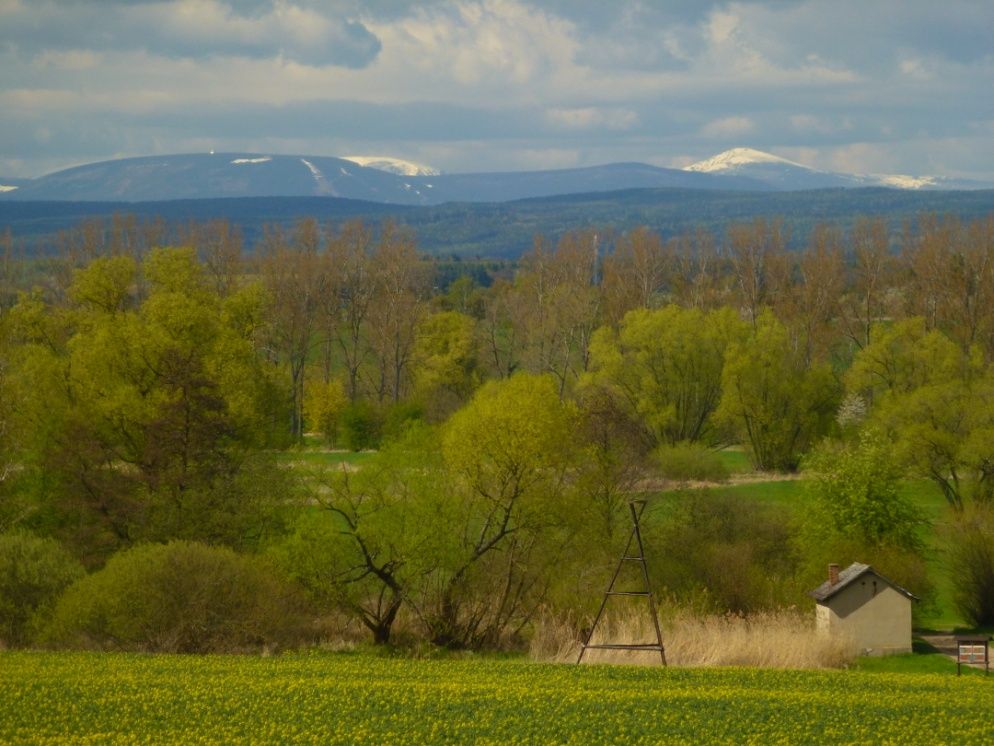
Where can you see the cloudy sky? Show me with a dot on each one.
(896, 86)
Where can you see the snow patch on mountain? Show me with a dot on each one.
(902, 181)
(324, 187)
(315, 171)
(266, 159)
(786, 174)
(392, 165)
(736, 157)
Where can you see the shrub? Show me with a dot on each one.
(179, 597)
(856, 491)
(725, 553)
(360, 427)
(323, 405)
(971, 562)
(33, 572)
(400, 417)
(687, 462)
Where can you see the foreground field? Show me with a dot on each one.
(109, 698)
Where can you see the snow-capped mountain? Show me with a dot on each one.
(390, 180)
(782, 173)
(393, 165)
(212, 175)
(738, 157)
(776, 172)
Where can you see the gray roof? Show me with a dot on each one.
(849, 576)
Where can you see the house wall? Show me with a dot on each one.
(872, 613)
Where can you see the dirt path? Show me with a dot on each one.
(754, 477)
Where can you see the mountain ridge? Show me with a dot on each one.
(218, 175)
(392, 180)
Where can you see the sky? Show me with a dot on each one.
(863, 86)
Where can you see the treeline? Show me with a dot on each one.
(146, 395)
(505, 229)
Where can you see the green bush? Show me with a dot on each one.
(971, 565)
(399, 418)
(856, 491)
(179, 597)
(360, 426)
(686, 462)
(723, 552)
(33, 573)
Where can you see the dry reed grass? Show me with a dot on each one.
(776, 639)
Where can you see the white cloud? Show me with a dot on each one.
(728, 127)
(478, 47)
(592, 118)
(915, 69)
(554, 81)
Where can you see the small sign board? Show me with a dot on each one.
(972, 653)
(972, 650)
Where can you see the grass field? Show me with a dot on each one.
(735, 460)
(314, 453)
(355, 699)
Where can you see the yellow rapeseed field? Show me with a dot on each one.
(363, 699)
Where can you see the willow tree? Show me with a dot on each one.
(777, 402)
(511, 516)
(663, 367)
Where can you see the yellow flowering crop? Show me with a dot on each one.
(357, 699)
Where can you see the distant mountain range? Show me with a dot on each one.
(394, 181)
(214, 175)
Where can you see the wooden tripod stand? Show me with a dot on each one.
(637, 508)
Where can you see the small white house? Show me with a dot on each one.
(862, 604)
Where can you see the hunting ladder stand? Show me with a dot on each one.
(637, 508)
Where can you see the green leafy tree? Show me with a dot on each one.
(773, 399)
(445, 364)
(935, 402)
(147, 422)
(971, 564)
(856, 488)
(34, 571)
(858, 512)
(664, 369)
(11, 509)
(510, 510)
(373, 543)
(903, 357)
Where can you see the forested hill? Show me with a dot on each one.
(507, 229)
